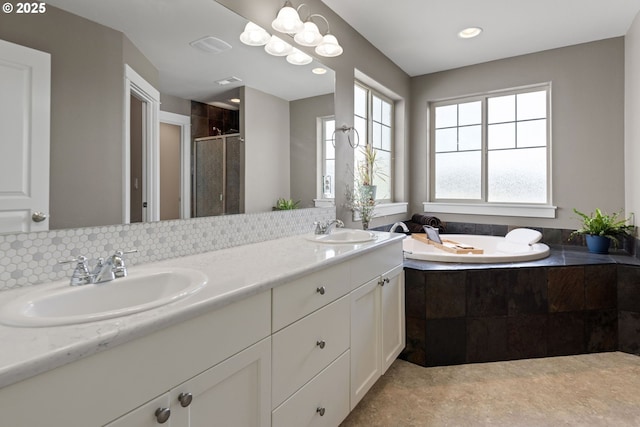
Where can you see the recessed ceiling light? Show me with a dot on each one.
(469, 33)
(319, 70)
(235, 100)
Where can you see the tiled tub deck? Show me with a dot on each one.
(572, 302)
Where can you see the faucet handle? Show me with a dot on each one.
(117, 261)
(80, 275)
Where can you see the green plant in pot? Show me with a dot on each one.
(283, 204)
(600, 229)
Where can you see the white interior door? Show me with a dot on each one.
(25, 103)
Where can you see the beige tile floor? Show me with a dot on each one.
(587, 390)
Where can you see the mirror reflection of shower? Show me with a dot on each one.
(218, 176)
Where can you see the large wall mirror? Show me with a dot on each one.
(91, 43)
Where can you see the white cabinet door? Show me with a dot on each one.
(151, 414)
(393, 316)
(365, 339)
(377, 329)
(25, 85)
(236, 392)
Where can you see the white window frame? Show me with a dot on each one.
(482, 206)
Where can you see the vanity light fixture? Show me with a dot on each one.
(329, 46)
(297, 57)
(278, 47)
(254, 35)
(288, 21)
(469, 33)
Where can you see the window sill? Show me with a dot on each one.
(533, 211)
(324, 203)
(385, 209)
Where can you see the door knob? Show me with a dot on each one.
(38, 216)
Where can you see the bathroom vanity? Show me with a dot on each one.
(288, 332)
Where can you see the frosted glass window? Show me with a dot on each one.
(386, 138)
(532, 105)
(359, 101)
(384, 188)
(446, 140)
(376, 133)
(386, 113)
(501, 136)
(502, 109)
(458, 175)
(446, 116)
(360, 123)
(329, 150)
(377, 109)
(532, 133)
(517, 175)
(492, 148)
(470, 113)
(470, 138)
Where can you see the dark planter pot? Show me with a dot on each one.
(598, 244)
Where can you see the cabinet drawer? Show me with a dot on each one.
(326, 394)
(296, 299)
(303, 349)
(372, 264)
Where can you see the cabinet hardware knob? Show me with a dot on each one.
(383, 281)
(162, 415)
(321, 290)
(321, 344)
(320, 411)
(185, 399)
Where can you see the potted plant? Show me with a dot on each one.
(361, 200)
(368, 170)
(600, 229)
(283, 204)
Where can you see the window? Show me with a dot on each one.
(328, 156)
(492, 148)
(373, 120)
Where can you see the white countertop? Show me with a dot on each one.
(233, 274)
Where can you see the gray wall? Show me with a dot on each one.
(587, 124)
(266, 134)
(304, 114)
(632, 118)
(86, 110)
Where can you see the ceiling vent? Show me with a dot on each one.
(211, 44)
(228, 80)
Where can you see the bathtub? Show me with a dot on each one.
(495, 249)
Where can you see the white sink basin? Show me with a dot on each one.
(343, 235)
(61, 304)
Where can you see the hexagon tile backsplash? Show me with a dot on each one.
(32, 258)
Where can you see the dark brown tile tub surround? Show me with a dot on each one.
(496, 314)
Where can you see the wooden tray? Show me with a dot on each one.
(449, 245)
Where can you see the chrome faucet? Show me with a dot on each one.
(401, 225)
(327, 227)
(104, 271)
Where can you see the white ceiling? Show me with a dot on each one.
(420, 36)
